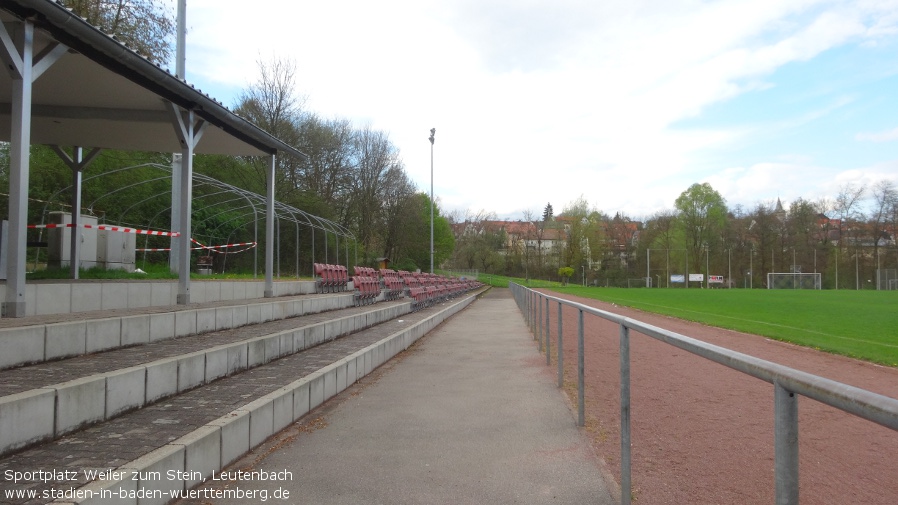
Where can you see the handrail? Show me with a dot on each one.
(787, 382)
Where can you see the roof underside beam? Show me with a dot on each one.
(105, 113)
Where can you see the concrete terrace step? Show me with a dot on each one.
(47, 400)
(45, 297)
(37, 339)
(174, 444)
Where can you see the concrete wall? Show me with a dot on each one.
(65, 297)
(37, 343)
(213, 447)
(74, 404)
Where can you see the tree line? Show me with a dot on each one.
(354, 176)
(848, 238)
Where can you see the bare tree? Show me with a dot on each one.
(477, 241)
(885, 201)
(271, 103)
(847, 207)
(801, 229)
(548, 217)
(531, 232)
(764, 231)
(402, 214)
(374, 155)
(146, 26)
(328, 175)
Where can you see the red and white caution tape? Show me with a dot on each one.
(210, 248)
(214, 248)
(121, 229)
(158, 249)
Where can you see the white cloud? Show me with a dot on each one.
(884, 136)
(542, 101)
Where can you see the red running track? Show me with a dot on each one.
(703, 433)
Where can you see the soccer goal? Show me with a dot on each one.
(639, 282)
(791, 280)
(887, 279)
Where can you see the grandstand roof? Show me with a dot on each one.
(100, 93)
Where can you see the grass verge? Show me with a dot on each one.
(860, 324)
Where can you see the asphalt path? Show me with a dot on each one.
(469, 414)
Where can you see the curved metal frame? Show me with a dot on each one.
(255, 201)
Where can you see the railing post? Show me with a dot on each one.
(527, 306)
(581, 414)
(529, 309)
(785, 445)
(560, 350)
(548, 336)
(539, 330)
(524, 308)
(625, 446)
(526, 296)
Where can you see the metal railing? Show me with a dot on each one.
(788, 384)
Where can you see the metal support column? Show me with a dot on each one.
(560, 350)
(785, 445)
(174, 242)
(625, 446)
(277, 246)
(269, 230)
(24, 67)
(581, 372)
(548, 337)
(538, 332)
(77, 163)
(180, 73)
(189, 129)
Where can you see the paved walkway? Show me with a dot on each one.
(468, 415)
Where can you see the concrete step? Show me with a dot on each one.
(44, 401)
(37, 339)
(46, 297)
(149, 454)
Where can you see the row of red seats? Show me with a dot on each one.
(427, 289)
(394, 287)
(330, 278)
(367, 289)
(365, 271)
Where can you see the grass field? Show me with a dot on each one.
(501, 281)
(861, 324)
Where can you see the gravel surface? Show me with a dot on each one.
(703, 433)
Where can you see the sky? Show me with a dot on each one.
(622, 104)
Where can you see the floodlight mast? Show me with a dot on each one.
(433, 132)
(180, 73)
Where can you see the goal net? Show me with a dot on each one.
(640, 282)
(792, 280)
(887, 279)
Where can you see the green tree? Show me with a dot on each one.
(478, 243)
(702, 214)
(576, 223)
(565, 273)
(548, 216)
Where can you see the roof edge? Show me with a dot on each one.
(81, 36)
